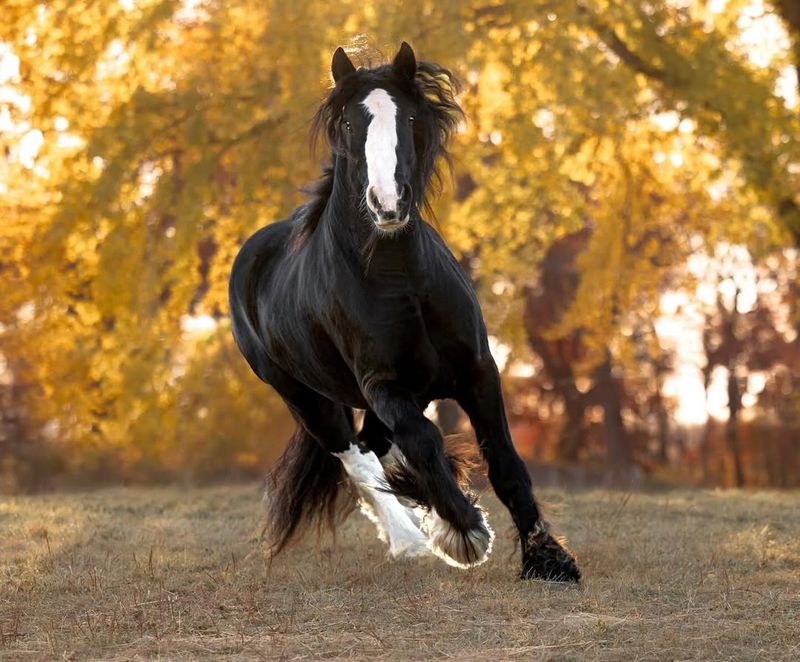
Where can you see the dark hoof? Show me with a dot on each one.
(543, 557)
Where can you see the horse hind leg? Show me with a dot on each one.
(331, 425)
(396, 525)
(304, 486)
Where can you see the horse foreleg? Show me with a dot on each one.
(457, 529)
(542, 555)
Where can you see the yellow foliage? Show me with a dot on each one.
(186, 129)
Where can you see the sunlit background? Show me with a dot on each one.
(624, 197)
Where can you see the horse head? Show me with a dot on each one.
(391, 125)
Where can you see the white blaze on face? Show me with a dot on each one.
(381, 147)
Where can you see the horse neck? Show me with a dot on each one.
(350, 229)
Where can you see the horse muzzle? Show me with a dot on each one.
(388, 219)
(391, 224)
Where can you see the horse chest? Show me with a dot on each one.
(419, 321)
(382, 331)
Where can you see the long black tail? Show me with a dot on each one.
(307, 488)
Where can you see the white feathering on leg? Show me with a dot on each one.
(394, 524)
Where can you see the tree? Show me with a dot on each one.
(170, 131)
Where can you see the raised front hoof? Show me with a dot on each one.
(549, 561)
(461, 549)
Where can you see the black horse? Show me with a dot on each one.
(354, 301)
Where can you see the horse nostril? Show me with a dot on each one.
(405, 193)
(373, 199)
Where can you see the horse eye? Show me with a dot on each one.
(347, 125)
(411, 119)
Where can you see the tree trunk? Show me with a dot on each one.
(573, 435)
(662, 423)
(609, 395)
(790, 12)
(732, 426)
(706, 439)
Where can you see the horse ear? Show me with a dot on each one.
(405, 63)
(341, 65)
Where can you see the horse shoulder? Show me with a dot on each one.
(451, 309)
(446, 286)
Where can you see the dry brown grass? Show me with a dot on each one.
(171, 573)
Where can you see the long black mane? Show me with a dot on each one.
(434, 91)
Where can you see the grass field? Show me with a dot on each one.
(178, 574)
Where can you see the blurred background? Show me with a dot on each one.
(625, 199)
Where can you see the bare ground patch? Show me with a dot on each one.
(178, 574)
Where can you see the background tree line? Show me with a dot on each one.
(625, 199)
